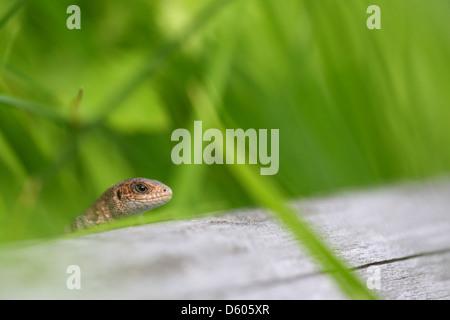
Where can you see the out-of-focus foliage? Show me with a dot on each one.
(355, 107)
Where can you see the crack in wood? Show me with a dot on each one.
(412, 256)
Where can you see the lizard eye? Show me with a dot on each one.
(140, 187)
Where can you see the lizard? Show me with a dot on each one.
(126, 198)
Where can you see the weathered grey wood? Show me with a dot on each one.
(404, 231)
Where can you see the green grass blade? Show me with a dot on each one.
(264, 191)
(33, 108)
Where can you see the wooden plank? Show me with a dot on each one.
(399, 235)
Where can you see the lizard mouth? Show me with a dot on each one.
(162, 199)
(147, 203)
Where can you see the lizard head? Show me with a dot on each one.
(139, 195)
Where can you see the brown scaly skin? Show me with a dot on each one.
(129, 197)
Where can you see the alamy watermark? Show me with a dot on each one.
(374, 20)
(74, 280)
(74, 20)
(189, 149)
(373, 281)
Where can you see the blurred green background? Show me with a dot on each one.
(355, 107)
